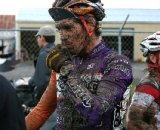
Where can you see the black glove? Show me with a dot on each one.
(58, 57)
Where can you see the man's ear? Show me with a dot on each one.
(152, 58)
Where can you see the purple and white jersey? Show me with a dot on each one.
(92, 89)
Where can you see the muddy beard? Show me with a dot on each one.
(83, 53)
(76, 51)
(82, 49)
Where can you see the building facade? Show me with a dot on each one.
(122, 29)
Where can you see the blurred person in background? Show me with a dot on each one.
(92, 78)
(11, 114)
(40, 79)
(144, 110)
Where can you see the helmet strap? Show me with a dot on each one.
(85, 25)
(83, 51)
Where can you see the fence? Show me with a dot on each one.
(24, 45)
(128, 43)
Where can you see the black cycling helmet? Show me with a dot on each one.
(63, 9)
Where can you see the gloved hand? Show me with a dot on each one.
(58, 57)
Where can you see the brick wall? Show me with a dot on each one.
(7, 21)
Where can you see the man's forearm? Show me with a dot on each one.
(44, 108)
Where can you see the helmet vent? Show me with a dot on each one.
(154, 43)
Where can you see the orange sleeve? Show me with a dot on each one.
(46, 106)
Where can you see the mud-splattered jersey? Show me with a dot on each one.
(94, 85)
(147, 94)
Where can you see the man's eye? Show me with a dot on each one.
(67, 27)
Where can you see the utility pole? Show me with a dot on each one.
(119, 36)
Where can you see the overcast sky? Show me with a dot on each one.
(12, 6)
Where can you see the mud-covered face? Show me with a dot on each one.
(73, 35)
(154, 57)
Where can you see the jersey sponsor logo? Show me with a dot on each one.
(90, 66)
